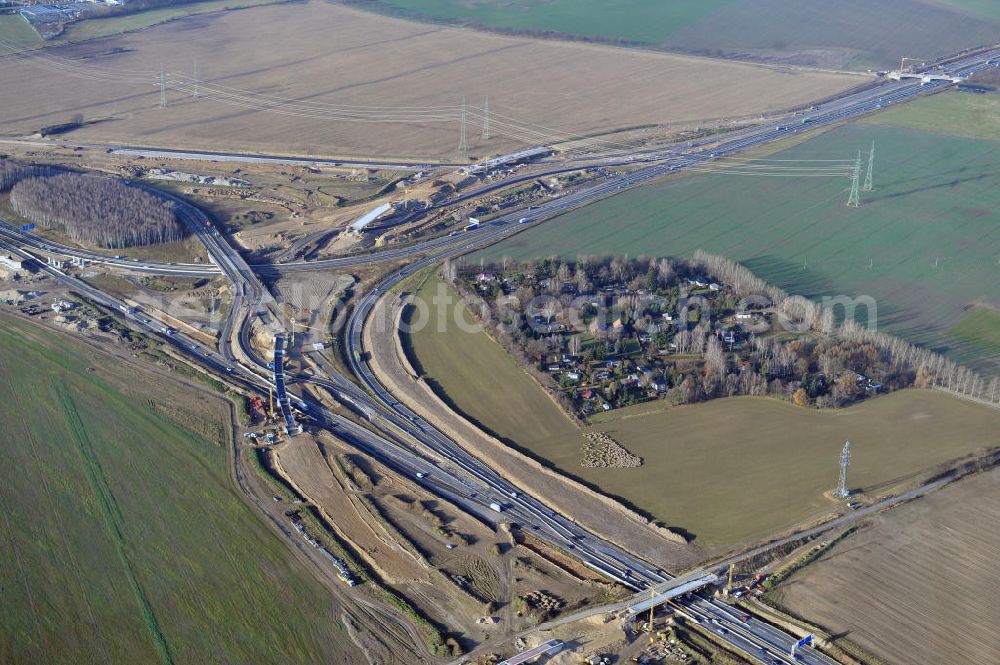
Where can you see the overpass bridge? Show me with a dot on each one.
(668, 591)
(291, 426)
(926, 77)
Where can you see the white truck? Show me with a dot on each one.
(499, 507)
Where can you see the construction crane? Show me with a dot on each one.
(729, 584)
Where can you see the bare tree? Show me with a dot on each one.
(574, 345)
(101, 211)
(11, 172)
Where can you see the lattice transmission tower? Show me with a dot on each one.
(854, 200)
(163, 88)
(486, 118)
(845, 461)
(867, 187)
(463, 141)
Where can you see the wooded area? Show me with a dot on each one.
(606, 332)
(96, 210)
(11, 172)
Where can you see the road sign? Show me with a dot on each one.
(27, 227)
(805, 641)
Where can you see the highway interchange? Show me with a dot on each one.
(406, 442)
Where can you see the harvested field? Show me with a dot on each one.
(531, 85)
(918, 585)
(923, 246)
(737, 469)
(124, 536)
(862, 34)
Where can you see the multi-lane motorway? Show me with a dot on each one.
(409, 444)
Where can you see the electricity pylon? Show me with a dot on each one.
(195, 94)
(845, 461)
(486, 118)
(463, 143)
(871, 165)
(854, 200)
(163, 88)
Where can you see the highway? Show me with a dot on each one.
(407, 443)
(13, 233)
(233, 157)
(662, 161)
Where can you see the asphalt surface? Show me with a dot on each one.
(407, 443)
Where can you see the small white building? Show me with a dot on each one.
(11, 263)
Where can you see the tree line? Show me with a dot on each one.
(101, 211)
(11, 172)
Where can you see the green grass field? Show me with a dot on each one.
(113, 25)
(478, 377)
(956, 113)
(16, 34)
(925, 244)
(867, 34)
(727, 470)
(980, 328)
(628, 20)
(123, 537)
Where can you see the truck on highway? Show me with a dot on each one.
(499, 507)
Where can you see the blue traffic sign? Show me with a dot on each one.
(27, 227)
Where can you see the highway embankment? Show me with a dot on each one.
(607, 518)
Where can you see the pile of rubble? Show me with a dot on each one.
(603, 452)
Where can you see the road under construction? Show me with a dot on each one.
(407, 443)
